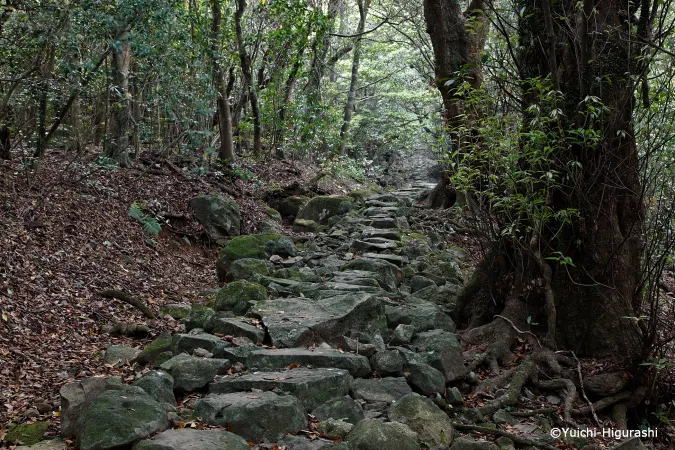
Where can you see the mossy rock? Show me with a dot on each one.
(273, 213)
(161, 344)
(198, 317)
(239, 296)
(176, 311)
(219, 215)
(249, 246)
(27, 433)
(321, 208)
(248, 269)
(305, 226)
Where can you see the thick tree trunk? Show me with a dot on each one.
(226, 152)
(247, 72)
(118, 143)
(458, 39)
(596, 299)
(364, 5)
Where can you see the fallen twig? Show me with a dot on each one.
(127, 298)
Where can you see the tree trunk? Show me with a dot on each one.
(364, 5)
(458, 39)
(245, 61)
(118, 144)
(596, 299)
(46, 68)
(226, 152)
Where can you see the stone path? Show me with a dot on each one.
(343, 342)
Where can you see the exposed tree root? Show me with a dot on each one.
(127, 298)
(602, 404)
(520, 440)
(619, 416)
(569, 394)
(525, 372)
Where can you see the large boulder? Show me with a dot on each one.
(295, 322)
(78, 395)
(290, 206)
(257, 417)
(191, 373)
(249, 246)
(311, 386)
(267, 359)
(340, 408)
(198, 317)
(386, 390)
(432, 425)
(377, 435)
(248, 269)
(239, 296)
(159, 385)
(321, 208)
(219, 215)
(188, 438)
(118, 418)
(421, 315)
(442, 351)
(387, 274)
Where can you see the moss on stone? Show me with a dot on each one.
(273, 213)
(161, 344)
(249, 246)
(198, 317)
(27, 433)
(239, 296)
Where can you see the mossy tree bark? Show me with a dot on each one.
(596, 298)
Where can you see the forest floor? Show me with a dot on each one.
(65, 234)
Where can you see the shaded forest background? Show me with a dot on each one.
(552, 122)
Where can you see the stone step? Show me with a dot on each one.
(312, 387)
(380, 389)
(381, 211)
(257, 417)
(383, 222)
(394, 259)
(294, 322)
(356, 365)
(387, 234)
(360, 245)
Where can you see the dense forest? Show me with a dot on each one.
(451, 224)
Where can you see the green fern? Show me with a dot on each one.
(136, 212)
(150, 224)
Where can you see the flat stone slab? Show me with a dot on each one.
(257, 417)
(376, 246)
(236, 327)
(188, 438)
(356, 365)
(394, 259)
(383, 222)
(387, 234)
(312, 387)
(380, 389)
(296, 322)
